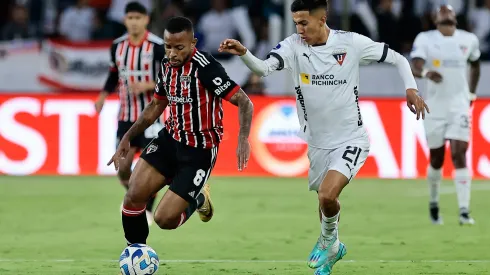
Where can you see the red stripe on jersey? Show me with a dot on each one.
(173, 92)
(204, 97)
(187, 114)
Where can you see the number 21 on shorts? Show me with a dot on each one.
(353, 151)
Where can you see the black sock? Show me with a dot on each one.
(192, 208)
(135, 227)
(149, 204)
(200, 200)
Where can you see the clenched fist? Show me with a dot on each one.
(232, 46)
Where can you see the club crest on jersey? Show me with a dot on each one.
(339, 56)
(186, 81)
(152, 148)
(463, 49)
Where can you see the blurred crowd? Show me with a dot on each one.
(395, 22)
(258, 23)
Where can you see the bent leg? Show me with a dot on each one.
(144, 183)
(343, 164)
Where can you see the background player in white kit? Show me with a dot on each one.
(442, 56)
(324, 64)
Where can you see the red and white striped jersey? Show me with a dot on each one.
(195, 92)
(135, 63)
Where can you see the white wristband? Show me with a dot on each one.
(424, 72)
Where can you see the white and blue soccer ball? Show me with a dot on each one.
(138, 259)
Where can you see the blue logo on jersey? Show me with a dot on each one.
(277, 47)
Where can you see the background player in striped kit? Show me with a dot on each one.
(192, 84)
(135, 62)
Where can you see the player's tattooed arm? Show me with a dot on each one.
(151, 112)
(419, 71)
(245, 110)
(474, 75)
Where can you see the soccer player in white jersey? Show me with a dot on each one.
(324, 64)
(442, 56)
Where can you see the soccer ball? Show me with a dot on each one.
(138, 259)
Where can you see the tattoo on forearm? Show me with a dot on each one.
(245, 109)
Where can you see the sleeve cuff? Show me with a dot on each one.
(232, 93)
(278, 57)
(385, 53)
(161, 97)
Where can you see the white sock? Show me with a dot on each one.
(462, 180)
(434, 177)
(330, 231)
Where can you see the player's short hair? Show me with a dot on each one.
(135, 7)
(179, 24)
(309, 5)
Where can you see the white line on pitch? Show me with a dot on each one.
(252, 261)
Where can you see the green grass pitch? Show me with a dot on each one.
(72, 225)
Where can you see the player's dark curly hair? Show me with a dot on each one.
(135, 7)
(179, 24)
(309, 5)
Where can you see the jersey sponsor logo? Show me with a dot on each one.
(359, 120)
(301, 100)
(178, 99)
(436, 63)
(321, 80)
(124, 73)
(339, 55)
(277, 47)
(222, 88)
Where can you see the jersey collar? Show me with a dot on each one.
(141, 42)
(330, 35)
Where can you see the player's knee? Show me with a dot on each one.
(166, 221)
(327, 199)
(459, 159)
(135, 198)
(436, 162)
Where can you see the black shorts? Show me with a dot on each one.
(186, 168)
(139, 142)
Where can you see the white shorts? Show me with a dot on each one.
(347, 159)
(438, 130)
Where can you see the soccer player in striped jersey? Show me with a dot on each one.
(135, 59)
(192, 85)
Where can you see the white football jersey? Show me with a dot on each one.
(447, 55)
(326, 79)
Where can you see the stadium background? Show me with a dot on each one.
(49, 80)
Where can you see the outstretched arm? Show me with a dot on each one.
(260, 67)
(373, 51)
